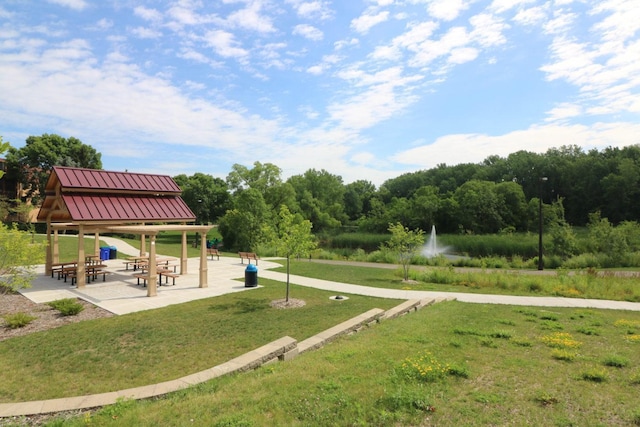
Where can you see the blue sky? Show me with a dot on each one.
(365, 89)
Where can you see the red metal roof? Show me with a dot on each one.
(126, 208)
(77, 178)
(105, 196)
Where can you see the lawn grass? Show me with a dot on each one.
(163, 344)
(498, 368)
(563, 284)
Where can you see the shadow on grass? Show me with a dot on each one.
(242, 306)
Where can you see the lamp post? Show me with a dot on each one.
(540, 261)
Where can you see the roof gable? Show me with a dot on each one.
(91, 195)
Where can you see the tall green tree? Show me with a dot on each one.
(32, 163)
(320, 197)
(479, 207)
(206, 196)
(241, 227)
(266, 178)
(357, 199)
(291, 236)
(405, 244)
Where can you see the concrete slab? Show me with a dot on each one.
(120, 294)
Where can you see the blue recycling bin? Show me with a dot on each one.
(251, 276)
(113, 252)
(104, 253)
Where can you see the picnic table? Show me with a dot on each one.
(58, 267)
(92, 271)
(135, 262)
(160, 272)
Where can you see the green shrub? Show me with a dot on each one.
(545, 398)
(615, 361)
(18, 320)
(563, 354)
(458, 371)
(595, 375)
(67, 306)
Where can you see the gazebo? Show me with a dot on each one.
(92, 201)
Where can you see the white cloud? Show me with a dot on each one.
(446, 10)
(474, 148)
(224, 44)
(387, 53)
(501, 6)
(316, 70)
(622, 23)
(341, 44)
(312, 9)
(146, 33)
(72, 4)
(416, 34)
(430, 50)
(563, 111)
(462, 54)
(376, 97)
(251, 18)
(604, 67)
(147, 14)
(308, 31)
(488, 30)
(532, 16)
(561, 22)
(365, 22)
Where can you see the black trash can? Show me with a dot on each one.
(113, 252)
(251, 276)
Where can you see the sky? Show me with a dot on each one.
(363, 89)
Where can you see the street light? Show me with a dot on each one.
(540, 262)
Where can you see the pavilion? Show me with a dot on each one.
(92, 201)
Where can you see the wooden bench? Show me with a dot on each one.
(167, 275)
(212, 252)
(73, 275)
(142, 277)
(248, 256)
(134, 264)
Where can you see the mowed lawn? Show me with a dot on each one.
(157, 345)
(450, 364)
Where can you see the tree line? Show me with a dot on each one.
(499, 194)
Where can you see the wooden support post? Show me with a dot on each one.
(152, 286)
(81, 277)
(203, 261)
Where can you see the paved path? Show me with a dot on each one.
(464, 297)
(224, 277)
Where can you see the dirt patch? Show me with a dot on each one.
(46, 317)
(292, 303)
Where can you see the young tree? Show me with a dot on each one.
(291, 236)
(18, 255)
(405, 243)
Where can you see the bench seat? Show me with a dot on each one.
(248, 256)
